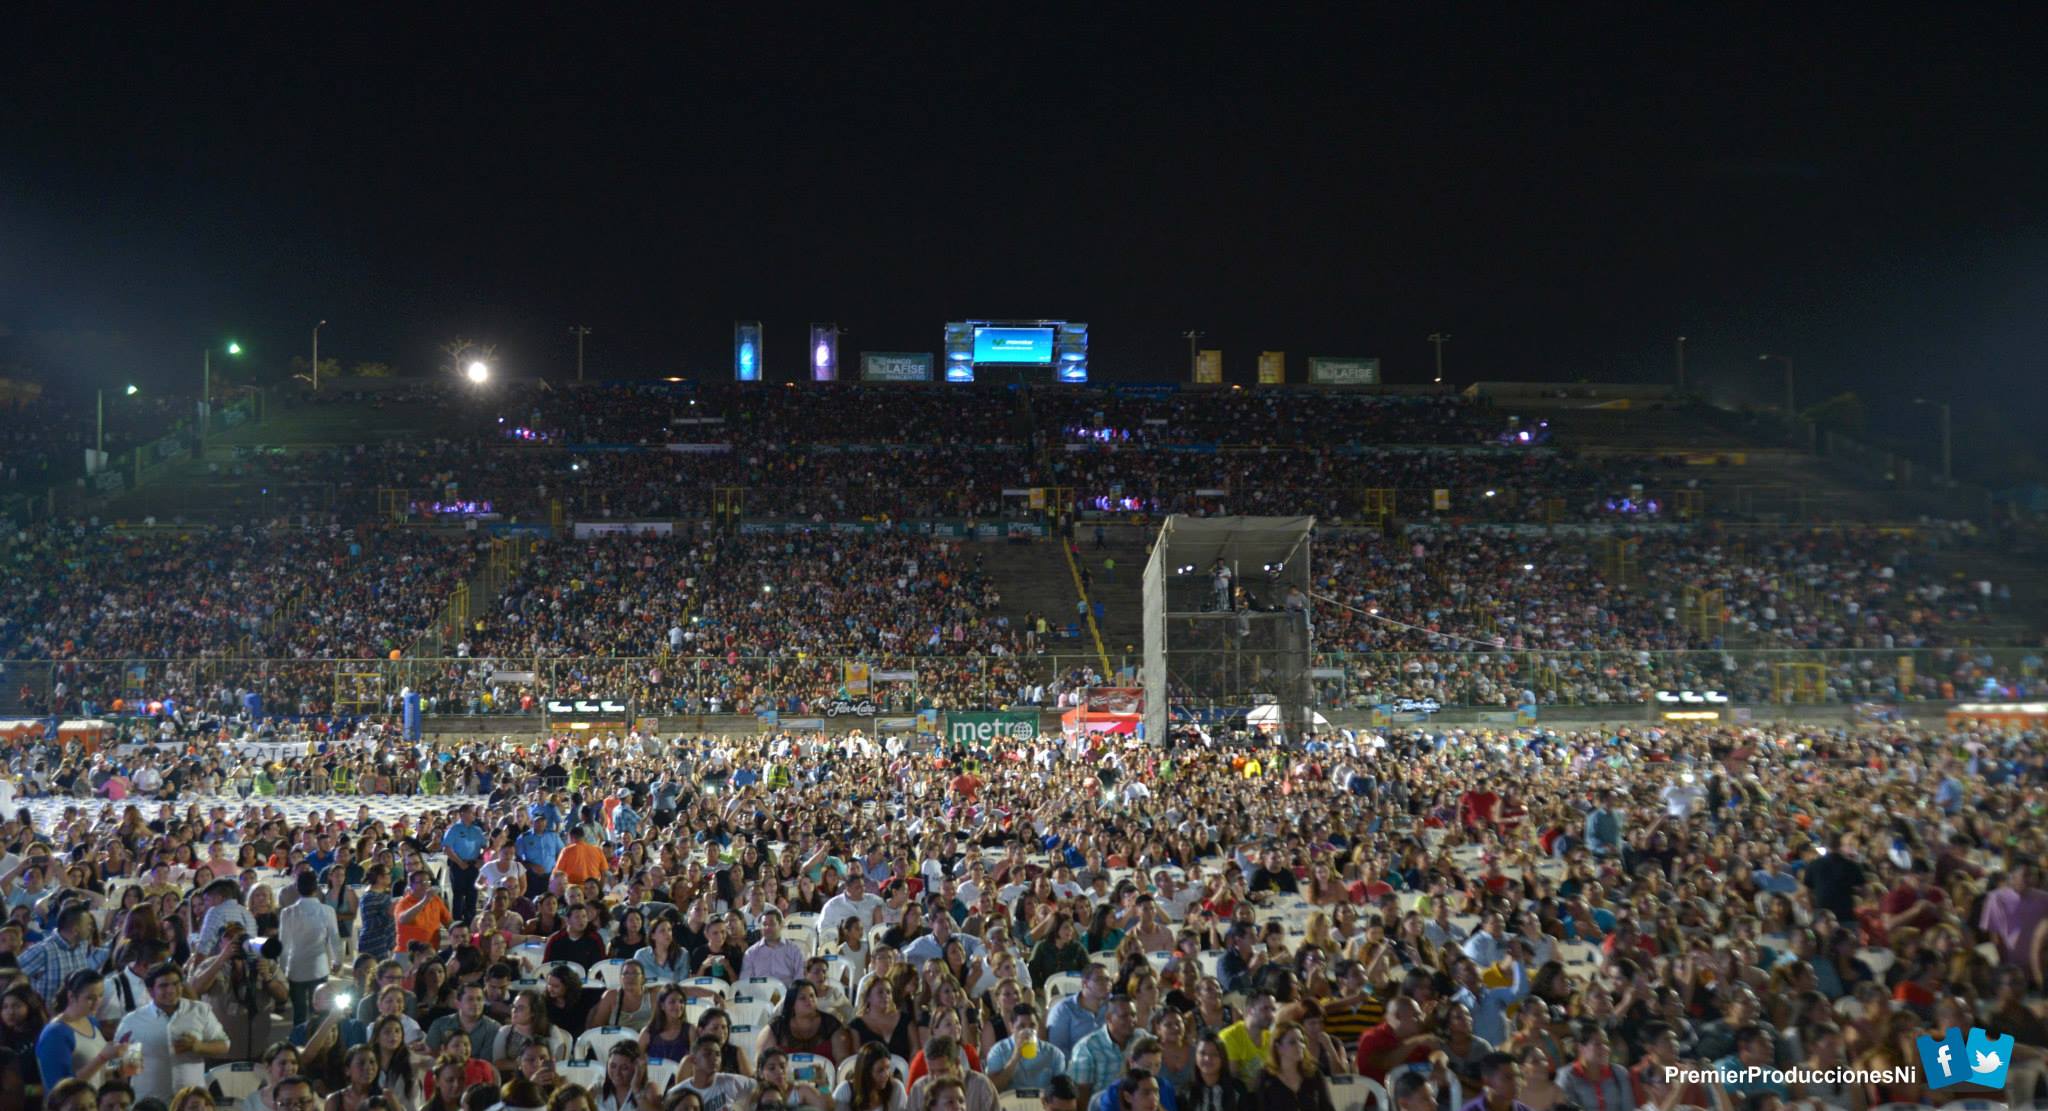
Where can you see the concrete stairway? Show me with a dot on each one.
(1033, 578)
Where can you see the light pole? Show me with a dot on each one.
(206, 385)
(99, 423)
(1947, 443)
(316, 355)
(579, 331)
(1791, 413)
(1194, 339)
(1681, 364)
(1438, 339)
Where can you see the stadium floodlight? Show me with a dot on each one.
(132, 390)
(234, 348)
(478, 372)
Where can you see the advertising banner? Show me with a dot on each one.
(856, 679)
(1324, 370)
(1209, 368)
(1272, 368)
(986, 728)
(895, 366)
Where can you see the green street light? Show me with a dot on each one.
(234, 348)
(132, 391)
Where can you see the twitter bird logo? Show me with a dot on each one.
(1988, 1058)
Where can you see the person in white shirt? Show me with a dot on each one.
(223, 905)
(176, 1034)
(854, 902)
(128, 987)
(311, 936)
(503, 873)
(715, 1090)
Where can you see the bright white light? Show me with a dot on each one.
(478, 372)
(1528, 567)
(824, 356)
(1489, 493)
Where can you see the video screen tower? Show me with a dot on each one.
(1226, 618)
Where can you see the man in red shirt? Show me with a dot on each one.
(965, 785)
(1475, 807)
(1397, 1041)
(1914, 903)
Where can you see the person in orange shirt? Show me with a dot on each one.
(421, 914)
(580, 860)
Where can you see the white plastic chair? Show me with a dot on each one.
(582, 972)
(607, 973)
(530, 956)
(1211, 961)
(1059, 985)
(748, 1011)
(1105, 961)
(1025, 1099)
(803, 937)
(745, 1039)
(589, 1074)
(711, 984)
(762, 987)
(237, 1081)
(1356, 1093)
(596, 1044)
(662, 1072)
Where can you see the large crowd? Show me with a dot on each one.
(1439, 919)
(898, 452)
(721, 620)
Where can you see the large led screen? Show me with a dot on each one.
(1031, 346)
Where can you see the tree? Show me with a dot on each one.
(302, 367)
(372, 370)
(461, 352)
(1841, 413)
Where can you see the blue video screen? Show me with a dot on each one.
(1013, 345)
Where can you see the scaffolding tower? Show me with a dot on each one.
(1227, 619)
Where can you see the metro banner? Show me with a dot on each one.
(984, 728)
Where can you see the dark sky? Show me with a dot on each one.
(1563, 192)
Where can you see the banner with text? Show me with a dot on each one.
(984, 729)
(895, 366)
(1326, 371)
(1209, 368)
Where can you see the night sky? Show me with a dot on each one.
(1860, 188)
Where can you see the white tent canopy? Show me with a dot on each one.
(1269, 714)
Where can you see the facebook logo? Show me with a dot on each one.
(1979, 1059)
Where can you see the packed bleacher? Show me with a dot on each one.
(1435, 919)
(43, 438)
(907, 453)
